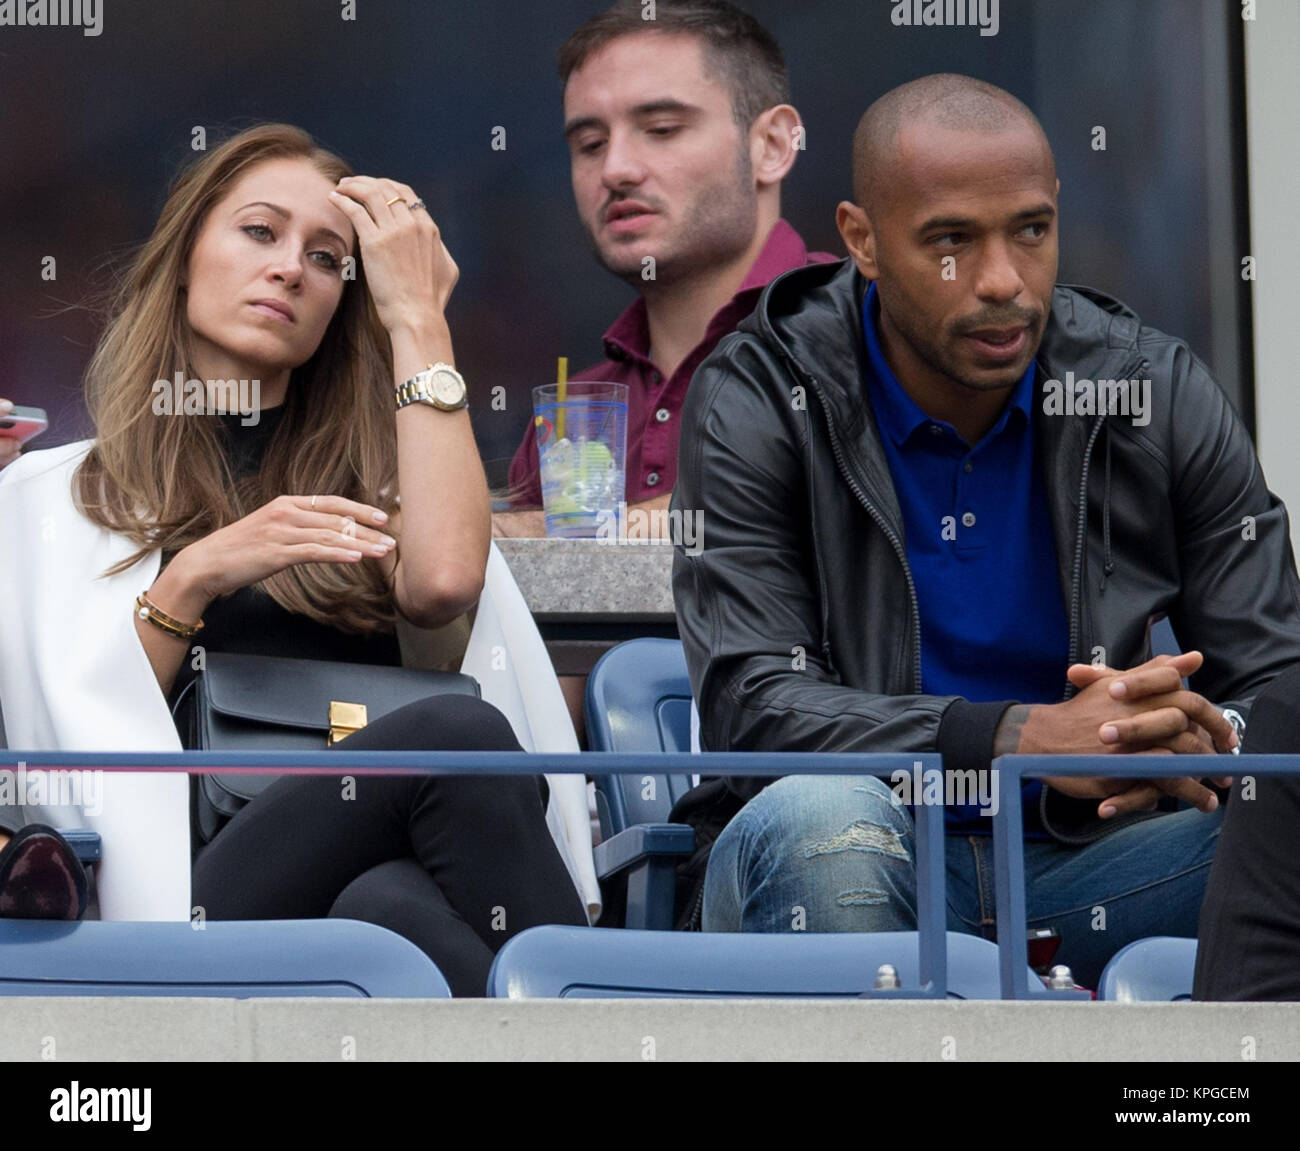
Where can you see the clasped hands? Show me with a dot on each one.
(1146, 711)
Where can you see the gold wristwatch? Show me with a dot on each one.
(439, 385)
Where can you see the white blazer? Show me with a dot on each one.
(74, 677)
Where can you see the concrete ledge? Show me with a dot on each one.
(72, 1029)
(331, 1030)
(575, 579)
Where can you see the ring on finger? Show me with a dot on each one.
(417, 205)
(313, 502)
(390, 203)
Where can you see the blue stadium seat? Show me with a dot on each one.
(333, 958)
(594, 963)
(639, 700)
(1163, 641)
(1155, 970)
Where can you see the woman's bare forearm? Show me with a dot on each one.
(176, 591)
(446, 512)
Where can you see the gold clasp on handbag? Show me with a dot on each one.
(345, 718)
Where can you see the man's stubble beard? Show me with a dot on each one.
(931, 354)
(718, 229)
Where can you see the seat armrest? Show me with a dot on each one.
(86, 844)
(645, 841)
(647, 856)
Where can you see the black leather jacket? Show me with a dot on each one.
(798, 614)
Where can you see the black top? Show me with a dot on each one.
(249, 621)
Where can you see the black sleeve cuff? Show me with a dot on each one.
(966, 732)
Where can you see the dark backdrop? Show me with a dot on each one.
(92, 128)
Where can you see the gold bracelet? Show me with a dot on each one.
(148, 610)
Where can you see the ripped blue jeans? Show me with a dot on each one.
(834, 853)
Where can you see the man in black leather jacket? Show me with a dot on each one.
(800, 615)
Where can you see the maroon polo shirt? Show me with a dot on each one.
(655, 404)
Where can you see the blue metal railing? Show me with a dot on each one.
(1008, 829)
(931, 897)
(1008, 837)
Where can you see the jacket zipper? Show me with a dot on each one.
(695, 922)
(1080, 537)
(880, 521)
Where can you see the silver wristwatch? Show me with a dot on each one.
(1234, 717)
(439, 385)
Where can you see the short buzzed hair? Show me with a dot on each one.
(745, 55)
(946, 99)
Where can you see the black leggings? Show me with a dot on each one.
(456, 864)
(1250, 921)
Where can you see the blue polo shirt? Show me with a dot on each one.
(979, 542)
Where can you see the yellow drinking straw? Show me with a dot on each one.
(562, 379)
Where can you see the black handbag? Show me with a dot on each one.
(265, 703)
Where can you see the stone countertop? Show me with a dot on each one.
(572, 580)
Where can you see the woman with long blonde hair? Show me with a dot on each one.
(258, 473)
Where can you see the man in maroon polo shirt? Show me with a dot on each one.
(679, 134)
